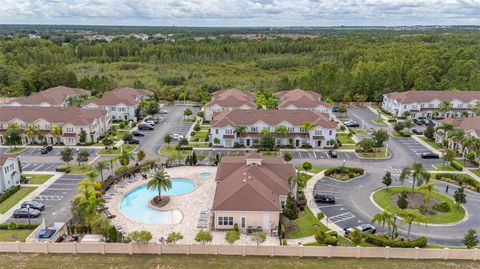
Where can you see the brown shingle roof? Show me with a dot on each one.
(242, 187)
(467, 124)
(271, 117)
(127, 96)
(3, 158)
(301, 99)
(60, 115)
(428, 96)
(232, 98)
(53, 96)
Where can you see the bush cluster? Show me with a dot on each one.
(9, 193)
(442, 207)
(351, 171)
(459, 179)
(457, 166)
(383, 241)
(19, 226)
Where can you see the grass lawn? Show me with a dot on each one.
(186, 120)
(37, 178)
(14, 235)
(379, 122)
(77, 169)
(395, 134)
(170, 150)
(376, 154)
(382, 198)
(447, 167)
(345, 139)
(15, 150)
(315, 170)
(348, 147)
(199, 137)
(100, 261)
(475, 171)
(430, 142)
(199, 144)
(307, 225)
(15, 198)
(361, 132)
(126, 147)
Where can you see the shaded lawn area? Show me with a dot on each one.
(379, 122)
(15, 198)
(375, 154)
(37, 178)
(125, 147)
(306, 225)
(430, 142)
(77, 169)
(170, 150)
(447, 167)
(99, 261)
(15, 150)
(383, 199)
(14, 235)
(345, 139)
(348, 147)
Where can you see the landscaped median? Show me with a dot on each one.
(434, 208)
(379, 122)
(458, 179)
(127, 148)
(35, 178)
(15, 150)
(75, 168)
(344, 173)
(376, 153)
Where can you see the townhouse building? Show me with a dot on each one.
(52, 97)
(121, 103)
(225, 125)
(299, 99)
(431, 104)
(72, 120)
(9, 172)
(227, 100)
(471, 130)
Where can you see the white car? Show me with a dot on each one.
(177, 136)
(150, 122)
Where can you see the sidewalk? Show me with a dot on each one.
(425, 144)
(383, 117)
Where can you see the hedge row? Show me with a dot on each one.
(9, 193)
(456, 165)
(459, 179)
(352, 171)
(20, 226)
(383, 242)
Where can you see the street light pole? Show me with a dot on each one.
(28, 213)
(10, 142)
(344, 162)
(386, 150)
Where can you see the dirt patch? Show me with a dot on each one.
(158, 203)
(417, 201)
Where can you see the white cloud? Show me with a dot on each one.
(241, 12)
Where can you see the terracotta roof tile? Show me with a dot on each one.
(232, 98)
(127, 96)
(54, 96)
(467, 124)
(409, 97)
(301, 99)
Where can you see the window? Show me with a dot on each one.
(216, 131)
(282, 204)
(253, 129)
(430, 105)
(302, 130)
(225, 221)
(291, 129)
(113, 108)
(70, 130)
(48, 126)
(330, 132)
(228, 131)
(318, 132)
(414, 106)
(460, 105)
(422, 105)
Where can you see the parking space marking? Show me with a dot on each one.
(327, 206)
(49, 197)
(341, 217)
(328, 185)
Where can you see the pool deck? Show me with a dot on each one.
(190, 204)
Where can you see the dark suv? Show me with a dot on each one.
(46, 149)
(144, 126)
(324, 198)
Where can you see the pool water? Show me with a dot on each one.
(135, 203)
(204, 174)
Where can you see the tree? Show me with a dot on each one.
(67, 155)
(100, 166)
(398, 126)
(56, 132)
(342, 110)
(267, 142)
(107, 142)
(82, 156)
(127, 137)
(281, 131)
(13, 134)
(241, 130)
(402, 202)
(366, 144)
(160, 181)
(204, 236)
(173, 237)
(445, 106)
(290, 210)
(387, 179)
(31, 131)
(418, 173)
(168, 139)
(140, 237)
(449, 156)
(356, 237)
(428, 188)
(112, 161)
(259, 237)
(140, 155)
(320, 216)
(187, 112)
(307, 166)
(383, 218)
(408, 124)
(408, 217)
(407, 114)
(153, 107)
(232, 236)
(181, 143)
(470, 240)
(430, 131)
(88, 197)
(307, 127)
(460, 196)
(124, 158)
(379, 137)
(82, 137)
(320, 237)
(287, 156)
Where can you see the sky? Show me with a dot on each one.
(245, 13)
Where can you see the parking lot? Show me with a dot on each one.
(57, 198)
(56, 151)
(28, 167)
(413, 146)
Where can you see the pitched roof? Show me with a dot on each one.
(271, 117)
(53, 96)
(127, 96)
(60, 115)
(467, 124)
(428, 96)
(301, 99)
(232, 98)
(252, 186)
(3, 158)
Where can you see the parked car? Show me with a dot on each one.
(74, 238)
(417, 132)
(162, 111)
(137, 133)
(150, 122)
(177, 136)
(324, 198)
(352, 124)
(430, 155)
(196, 105)
(151, 118)
(144, 126)
(332, 154)
(24, 212)
(46, 149)
(61, 238)
(364, 228)
(132, 141)
(33, 205)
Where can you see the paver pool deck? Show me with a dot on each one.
(189, 204)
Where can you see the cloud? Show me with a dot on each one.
(241, 12)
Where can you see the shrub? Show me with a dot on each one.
(12, 226)
(356, 236)
(232, 236)
(121, 125)
(284, 242)
(383, 242)
(197, 128)
(342, 170)
(333, 234)
(459, 179)
(9, 193)
(402, 200)
(320, 237)
(20, 226)
(332, 241)
(405, 133)
(457, 166)
(442, 207)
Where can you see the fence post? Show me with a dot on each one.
(302, 251)
(329, 251)
(357, 252)
(46, 247)
(387, 252)
(273, 251)
(130, 250)
(445, 254)
(244, 250)
(75, 248)
(18, 246)
(188, 249)
(159, 249)
(475, 255)
(416, 253)
(216, 249)
(103, 247)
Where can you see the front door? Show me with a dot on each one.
(319, 143)
(243, 223)
(247, 142)
(266, 222)
(297, 143)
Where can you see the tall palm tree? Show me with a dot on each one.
(282, 131)
(476, 107)
(30, 132)
(241, 130)
(408, 217)
(100, 166)
(160, 181)
(294, 181)
(88, 196)
(445, 106)
(307, 127)
(383, 217)
(124, 158)
(112, 161)
(56, 131)
(265, 131)
(429, 188)
(418, 173)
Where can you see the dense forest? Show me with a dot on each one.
(342, 66)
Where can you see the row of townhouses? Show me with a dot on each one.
(431, 104)
(469, 126)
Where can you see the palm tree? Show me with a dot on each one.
(112, 161)
(30, 132)
(429, 188)
(88, 196)
(282, 131)
(124, 158)
(445, 106)
(307, 127)
(418, 173)
(476, 107)
(241, 131)
(265, 131)
(293, 181)
(384, 217)
(56, 131)
(410, 216)
(160, 181)
(100, 166)
(13, 128)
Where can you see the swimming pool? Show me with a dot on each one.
(135, 203)
(204, 174)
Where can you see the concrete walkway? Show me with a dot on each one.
(425, 144)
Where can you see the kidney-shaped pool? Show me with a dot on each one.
(135, 203)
